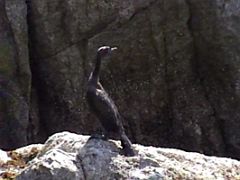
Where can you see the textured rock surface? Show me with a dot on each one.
(70, 156)
(14, 74)
(53, 165)
(3, 157)
(215, 26)
(168, 77)
(175, 77)
(13, 162)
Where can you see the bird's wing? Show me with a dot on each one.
(104, 102)
(106, 110)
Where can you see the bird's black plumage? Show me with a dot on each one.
(103, 106)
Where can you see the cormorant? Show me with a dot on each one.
(103, 106)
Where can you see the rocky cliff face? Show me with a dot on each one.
(15, 76)
(174, 78)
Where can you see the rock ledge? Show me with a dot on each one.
(68, 156)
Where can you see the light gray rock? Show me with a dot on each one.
(97, 159)
(53, 165)
(68, 142)
(3, 157)
(13, 162)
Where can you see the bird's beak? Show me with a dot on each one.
(114, 48)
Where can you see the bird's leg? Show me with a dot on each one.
(126, 145)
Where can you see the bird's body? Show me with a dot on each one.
(103, 106)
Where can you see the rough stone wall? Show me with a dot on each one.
(15, 78)
(217, 63)
(175, 76)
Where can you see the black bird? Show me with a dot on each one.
(103, 106)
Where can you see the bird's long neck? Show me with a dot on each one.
(96, 71)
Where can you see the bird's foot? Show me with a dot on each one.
(128, 151)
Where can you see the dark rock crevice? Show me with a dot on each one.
(30, 129)
(37, 128)
(142, 9)
(90, 34)
(217, 124)
(166, 77)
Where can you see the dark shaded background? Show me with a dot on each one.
(175, 77)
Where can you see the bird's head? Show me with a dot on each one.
(105, 50)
